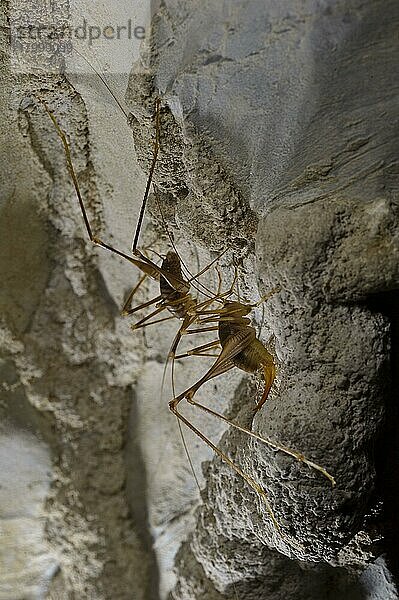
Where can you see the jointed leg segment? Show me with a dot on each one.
(173, 407)
(297, 455)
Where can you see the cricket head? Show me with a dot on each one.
(172, 274)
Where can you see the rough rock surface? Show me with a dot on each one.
(279, 140)
(300, 91)
(66, 396)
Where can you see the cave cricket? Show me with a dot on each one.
(236, 345)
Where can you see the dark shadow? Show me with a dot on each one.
(387, 451)
(136, 490)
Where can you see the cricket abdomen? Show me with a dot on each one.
(251, 358)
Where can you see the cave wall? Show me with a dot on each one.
(278, 141)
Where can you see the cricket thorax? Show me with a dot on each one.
(174, 289)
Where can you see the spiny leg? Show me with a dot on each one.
(247, 478)
(128, 311)
(143, 322)
(95, 240)
(297, 455)
(230, 313)
(61, 134)
(141, 325)
(173, 407)
(127, 305)
(200, 350)
(199, 330)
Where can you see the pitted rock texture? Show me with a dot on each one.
(279, 141)
(67, 527)
(296, 103)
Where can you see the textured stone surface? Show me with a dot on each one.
(291, 98)
(70, 360)
(279, 129)
(27, 563)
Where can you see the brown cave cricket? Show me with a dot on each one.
(219, 312)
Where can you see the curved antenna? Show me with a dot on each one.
(104, 81)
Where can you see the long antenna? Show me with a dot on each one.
(104, 81)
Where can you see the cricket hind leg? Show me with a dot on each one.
(262, 493)
(151, 173)
(290, 452)
(251, 482)
(144, 265)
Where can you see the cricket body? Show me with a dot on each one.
(236, 338)
(254, 356)
(180, 301)
(174, 290)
